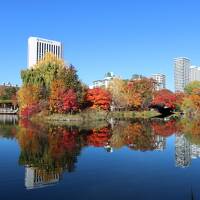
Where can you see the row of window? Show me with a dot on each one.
(43, 48)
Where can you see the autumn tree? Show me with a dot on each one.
(179, 100)
(61, 98)
(59, 84)
(7, 92)
(29, 97)
(164, 98)
(98, 98)
(139, 93)
(191, 105)
(69, 101)
(55, 99)
(190, 87)
(118, 93)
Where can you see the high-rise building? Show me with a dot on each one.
(194, 73)
(160, 81)
(38, 47)
(181, 73)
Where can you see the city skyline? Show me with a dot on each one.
(136, 41)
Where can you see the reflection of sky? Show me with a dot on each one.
(123, 174)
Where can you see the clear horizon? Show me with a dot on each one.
(125, 37)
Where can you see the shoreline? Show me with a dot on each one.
(92, 116)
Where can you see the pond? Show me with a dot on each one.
(142, 159)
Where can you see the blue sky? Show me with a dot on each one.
(123, 36)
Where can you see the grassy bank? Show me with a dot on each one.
(92, 116)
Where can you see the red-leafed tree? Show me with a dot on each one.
(164, 98)
(69, 101)
(98, 98)
(61, 99)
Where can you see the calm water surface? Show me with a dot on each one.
(125, 160)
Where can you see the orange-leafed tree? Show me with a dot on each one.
(179, 99)
(195, 98)
(57, 88)
(29, 97)
(139, 92)
(98, 98)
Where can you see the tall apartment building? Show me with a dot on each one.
(194, 73)
(181, 73)
(38, 47)
(160, 81)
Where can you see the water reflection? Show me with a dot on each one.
(49, 151)
(8, 119)
(187, 143)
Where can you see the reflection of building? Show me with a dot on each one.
(160, 81)
(9, 119)
(182, 151)
(105, 82)
(160, 142)
(34, 178)
(185, 151)
(195, 151)
(38, 47)
(181, 73)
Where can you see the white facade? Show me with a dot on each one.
(105, 82)
(38, 47)
(160, 81)
(181, 73)
(194, 73)
(185, 151)
(33, 179)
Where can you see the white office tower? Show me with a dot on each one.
(181, 73)
(160, 81)
(194, 73)
(38, 47)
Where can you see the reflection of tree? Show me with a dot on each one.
(191, 129)
(8, 131)
(54, 149)
(137, 136)
(164, 129)
(99, 137)
(50, 149)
